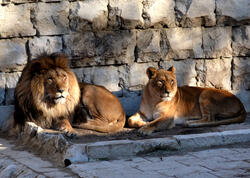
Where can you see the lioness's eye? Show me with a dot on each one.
(172, 82)
(159, 83)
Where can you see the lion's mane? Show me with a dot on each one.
(30, 103)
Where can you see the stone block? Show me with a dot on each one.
(5, 112)
(84, 17)
(4, 2)
(217, 42)
(241, 73)
(130, 102)
(80, 45)
(195, 13)
(126, 14)
(159, 12)
(15, 21)
(44, 44)
(185, 43)
(232, 12)
(51, 18)
(11, 81)
(185, 71)
(241, 41)
(2, 88)
(12, 55)
(148, 46)
(106, 76)
(137, 77)
(103, 48)
(244, 97)
(218, 73)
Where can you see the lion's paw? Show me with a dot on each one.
(146, 130)
(70, 134)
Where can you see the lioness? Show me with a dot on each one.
(164, 104)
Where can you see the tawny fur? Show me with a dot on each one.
(164, 104)
(49, 95)
(100, 110)
(37, 89)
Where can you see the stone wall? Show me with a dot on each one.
(112, 42)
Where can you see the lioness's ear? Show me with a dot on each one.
(172, 69)
(151, 71)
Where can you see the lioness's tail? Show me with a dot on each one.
(241, 117)
(102, 126)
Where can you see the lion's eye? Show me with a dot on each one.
(172, 82)
(50, 80)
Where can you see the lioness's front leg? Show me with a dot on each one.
(158, 124)
(137, 120)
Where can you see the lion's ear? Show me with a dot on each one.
(36, 68)
(151, 72)
(172, 69)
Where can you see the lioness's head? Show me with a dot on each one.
(163, 82)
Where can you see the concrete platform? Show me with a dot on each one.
(62, 150)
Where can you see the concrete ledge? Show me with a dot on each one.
(56, 145)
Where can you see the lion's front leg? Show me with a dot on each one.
(161, 123)
(64, 125)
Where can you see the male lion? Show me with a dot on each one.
(164, 104)
(49, 95)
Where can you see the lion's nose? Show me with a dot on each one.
(60, 90)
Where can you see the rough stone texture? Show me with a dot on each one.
(185, 71)
(185, 43)
(5, 111)
(136, 75)
(89, 15)
(130, 101)
(195, 13)
(44, 44)
(233, 12)
(12, 55)
(218, 73)
(241, 41)
(11, 81)
(241, 73)
(217, 42)
(159, 12)
(107, 76)
(148, 46)
(15, 21)
(126, 14)
(51, 18)
(2, 88)
(103, 48)
(244, 96)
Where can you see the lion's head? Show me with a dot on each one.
(47, 90)
(163, 82)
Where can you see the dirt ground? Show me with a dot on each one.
(87, 136)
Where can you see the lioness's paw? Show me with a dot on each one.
(146, 130)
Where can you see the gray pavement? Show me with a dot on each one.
(229, 161)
